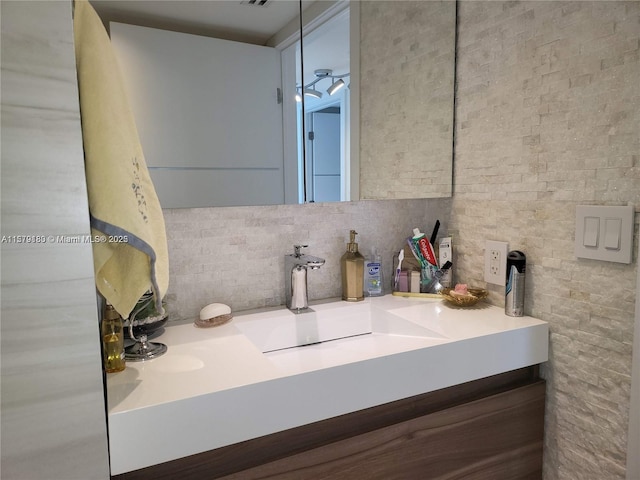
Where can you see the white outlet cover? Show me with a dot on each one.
(499, 278)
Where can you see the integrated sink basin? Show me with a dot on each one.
(269, 371)
(282, 329)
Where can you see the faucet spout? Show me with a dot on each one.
(313, 263)
(296, 266)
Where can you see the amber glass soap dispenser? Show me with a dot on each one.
(112, 340)
(352, 266)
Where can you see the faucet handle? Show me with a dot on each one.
(297, 249)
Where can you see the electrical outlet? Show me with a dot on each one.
(495, 262)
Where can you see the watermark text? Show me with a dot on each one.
(63, 239)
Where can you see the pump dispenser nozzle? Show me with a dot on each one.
(352, 246)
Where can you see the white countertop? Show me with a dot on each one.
(214, 387)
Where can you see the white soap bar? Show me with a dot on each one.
(214, 310)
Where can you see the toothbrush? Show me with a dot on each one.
(434, 233)
(400, 259)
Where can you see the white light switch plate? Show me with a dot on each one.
(604, 233)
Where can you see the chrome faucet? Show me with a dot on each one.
(295, 273)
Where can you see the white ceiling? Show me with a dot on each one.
(249, 23)
(325, 47)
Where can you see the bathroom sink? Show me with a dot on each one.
(393, 348)
(282, 329)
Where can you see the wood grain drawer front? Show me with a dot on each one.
(494, 438)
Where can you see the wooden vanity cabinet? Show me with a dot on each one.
(486, 429)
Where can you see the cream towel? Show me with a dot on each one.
(122, 200)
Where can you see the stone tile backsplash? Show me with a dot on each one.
(235, 255)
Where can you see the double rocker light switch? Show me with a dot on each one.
(604, 233)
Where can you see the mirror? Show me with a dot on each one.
(211, 110)
(407, 67)
(396, 117)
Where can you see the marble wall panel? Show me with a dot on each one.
(53, 409)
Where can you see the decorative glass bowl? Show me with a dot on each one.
(475, 295)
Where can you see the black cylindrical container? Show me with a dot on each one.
(514, 292)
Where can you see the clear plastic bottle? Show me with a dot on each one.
(373, 275)
(112, 341)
